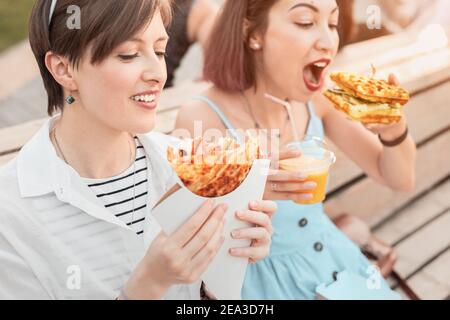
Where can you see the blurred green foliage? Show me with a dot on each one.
(14, 16)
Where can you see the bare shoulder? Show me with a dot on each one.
(322, 106)
(198, 111)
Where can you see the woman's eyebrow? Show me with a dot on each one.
(139, 40)
(310, 6)
(164, 38)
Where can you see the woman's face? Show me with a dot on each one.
(401, 11)
(122, 91)
(299, 44)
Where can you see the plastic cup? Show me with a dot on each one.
(315, 163)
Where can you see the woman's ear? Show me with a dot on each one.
(255, 43)
(61, 70)
(254, 40)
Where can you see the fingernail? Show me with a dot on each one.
(235, 234)
(211, 202)
(232, 251)
(301, 176)
(224, 206)
(254, 204)
(310, 185)
(239, 214)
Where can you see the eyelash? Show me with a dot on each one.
(305, 25)
(128, 57)
(310, 25)
(334, 26)
(161, 54)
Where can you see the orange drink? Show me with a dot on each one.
(315, 163)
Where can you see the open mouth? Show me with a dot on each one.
(313, 74)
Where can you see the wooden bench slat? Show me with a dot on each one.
(370, 49)
(433, 282)
(419, 248)
(13, 138)
(416, 215)
(5, 159)
(432, 166)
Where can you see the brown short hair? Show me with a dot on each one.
(104, 26)
(229, 61)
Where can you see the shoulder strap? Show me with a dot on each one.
(220, 114)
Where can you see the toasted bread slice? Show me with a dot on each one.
(370, 89)
(364, 111)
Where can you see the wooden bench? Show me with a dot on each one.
(416, 223)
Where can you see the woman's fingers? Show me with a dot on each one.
(251, 253)
(262, 235)
(293, 196)
(206, 232)
(288, 154)
(266, 206)
(283, 176)
(282, 155)
(293, 186)
(191, 227)
(204, 257)
(254, 217)
(393, 80)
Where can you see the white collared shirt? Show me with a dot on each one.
(57, 240)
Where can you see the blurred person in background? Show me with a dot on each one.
(396, 16)
(192, 22)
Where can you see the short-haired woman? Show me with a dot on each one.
(75, 203)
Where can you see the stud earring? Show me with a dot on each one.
(255, 46)
(70, 99)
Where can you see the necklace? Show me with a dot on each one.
(256, 124)
(59, 150)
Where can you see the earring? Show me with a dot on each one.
(70, 99)
(255, 46)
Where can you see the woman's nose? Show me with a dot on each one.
(155, 72)
(327, 41)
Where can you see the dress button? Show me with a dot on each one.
(318, 246)
(302, 223)
(335, 274)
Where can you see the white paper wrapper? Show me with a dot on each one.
(225, 275)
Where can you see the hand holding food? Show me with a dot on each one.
(215, 170)
(367, 100)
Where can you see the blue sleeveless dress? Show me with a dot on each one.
(307, 248)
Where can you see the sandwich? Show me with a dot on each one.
(366, 99)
